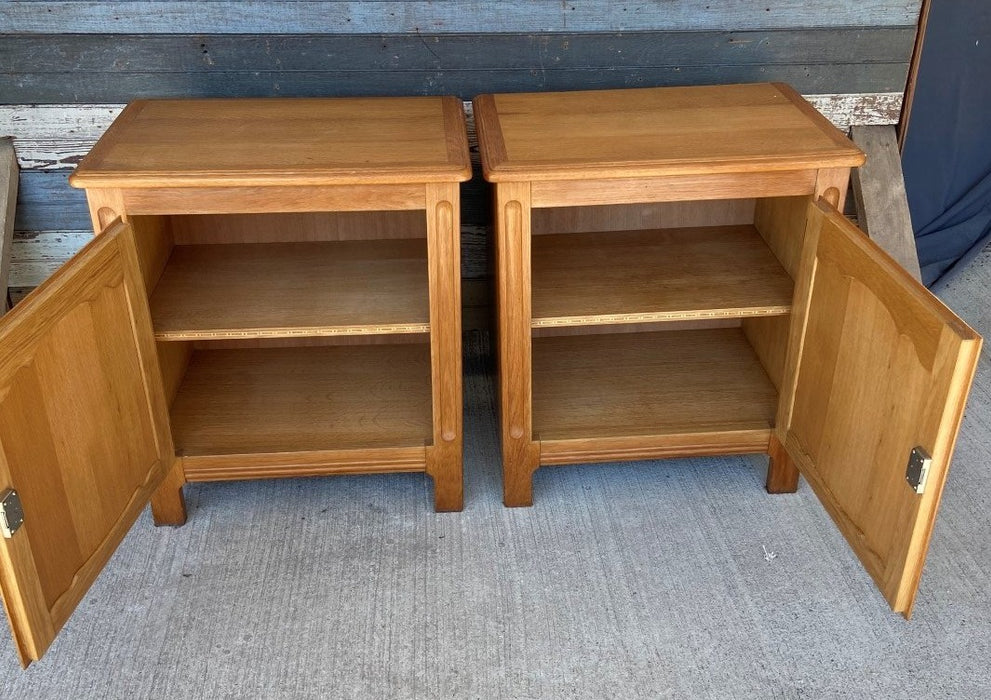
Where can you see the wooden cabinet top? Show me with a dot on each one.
(281, 141)
(655, 132)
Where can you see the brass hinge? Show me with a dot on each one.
(11, 513)
(917, 472)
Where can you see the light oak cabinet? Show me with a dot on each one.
(674, 278)
(274, 291)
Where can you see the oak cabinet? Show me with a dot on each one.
(274, 291)
(674, 278)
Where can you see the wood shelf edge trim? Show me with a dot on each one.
(660, 316)
(637, 447)
(289, 464)
(456, 172)
(307, 332)
(748, 165)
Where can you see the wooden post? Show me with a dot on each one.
(8, 202)
(913, 73)
(879, 193)
(444, 456)
(520, 454)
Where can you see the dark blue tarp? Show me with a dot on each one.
(947, 152)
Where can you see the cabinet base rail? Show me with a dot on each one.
(289, 464)
(620, 449)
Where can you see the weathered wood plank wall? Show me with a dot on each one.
(67, 67)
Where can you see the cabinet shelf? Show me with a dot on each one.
(674, 383)
(270, 290)
(272, 400)
(714, 272)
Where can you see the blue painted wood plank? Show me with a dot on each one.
(90, 87)
(444, 16)
(46, 202)
(199, 53)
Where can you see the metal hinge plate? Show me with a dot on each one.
(11, 513)
(917, 472)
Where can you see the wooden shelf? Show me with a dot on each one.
(703, 389)
(275, 400)
(273, 290)
(656, 275)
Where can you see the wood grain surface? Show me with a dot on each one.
(879, 193)
(654, 133)
(884, 367)
(272, 400)
(288, 142)
(656, 275)
(83, 432)
(649, 384)
(259, 290)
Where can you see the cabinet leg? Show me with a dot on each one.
(782, 474)
(444, 467)
(444, 274)
(168, 506)
(519, 462)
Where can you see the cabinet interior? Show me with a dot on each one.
(662, 319)
(290, 332)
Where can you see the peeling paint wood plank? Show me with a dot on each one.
(53, 137)
(8, 202)
(453, 16)
(867, 110)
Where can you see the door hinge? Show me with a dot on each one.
(11, 513)
(917, 472)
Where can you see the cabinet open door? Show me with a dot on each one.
(84, 433)
(882, 368)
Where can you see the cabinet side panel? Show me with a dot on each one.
(154, 242)
(173, 357)
(781, 223)
(769, 339)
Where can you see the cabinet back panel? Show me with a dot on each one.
(305, 226)
(635, 217)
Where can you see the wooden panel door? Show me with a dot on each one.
(84, 435)
(882, 367)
